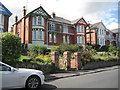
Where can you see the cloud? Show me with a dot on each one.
(112, 25)
(92, 10)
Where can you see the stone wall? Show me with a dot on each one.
(46, 68)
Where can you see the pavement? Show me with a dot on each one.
(77, 73)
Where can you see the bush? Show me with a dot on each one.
(44, 58)
(88, 47)
(11, 48)
(96, 47)
(104, 48)
(66, 47)
(112, 49)
(38, 50)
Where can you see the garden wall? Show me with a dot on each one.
(46, 68)
(100, 64)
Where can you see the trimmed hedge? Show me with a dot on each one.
(11, 48)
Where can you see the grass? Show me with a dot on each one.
(23, 57)
(104, 57)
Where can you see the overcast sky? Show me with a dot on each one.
(91, 10)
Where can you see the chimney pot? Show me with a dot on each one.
(53, 15)
(16, 18)
(24, 11)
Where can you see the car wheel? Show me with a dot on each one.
(33, 82)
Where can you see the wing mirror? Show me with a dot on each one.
(13, 70)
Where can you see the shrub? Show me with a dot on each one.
(37, 50)
(88, 47)
(55, 48)
(66, 47)
(11, 48)
(44, 58)
(112, 49)
(96, 47)
(104, 48)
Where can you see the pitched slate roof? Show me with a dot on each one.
(4, 10)
(60, 19)
(96, 24)
(116, 30)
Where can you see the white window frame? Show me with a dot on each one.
(68, 39)
(50, 37)
(64, 39)
(55, 39)
(39, 20)
(65, 28)
(39, 35)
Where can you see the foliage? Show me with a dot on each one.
(11, 48)
(112, 49)
(96, 47)
(38, 50)
(104, 48)
(44, 58)
(55, 48)
(104, 57)
(66, 47)
(23, 57)
(88, 47)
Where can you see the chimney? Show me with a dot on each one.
(24, 11)
(53, 15)
(16, 18)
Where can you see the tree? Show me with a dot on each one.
(11, 48)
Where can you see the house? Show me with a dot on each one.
(110, 38)
(116, 34)
(39, 28)
(4, 18)
(96, 33)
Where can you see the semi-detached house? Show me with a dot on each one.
(39, 28)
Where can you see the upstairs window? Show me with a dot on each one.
(39, 21)
(65, 28)
(60, 28)
(52, 26)
(35, 20)
(80, 28)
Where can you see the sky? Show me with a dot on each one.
(92, 11)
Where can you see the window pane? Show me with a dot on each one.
(39, 21)
(34, 20)
(54, 38)
(50, 37)
(34, 35)
(68, 39)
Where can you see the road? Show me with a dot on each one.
(106, 79)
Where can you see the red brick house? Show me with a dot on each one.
(39, 28)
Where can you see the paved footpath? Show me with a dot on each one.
(77, 73)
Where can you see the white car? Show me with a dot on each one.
(19, 78)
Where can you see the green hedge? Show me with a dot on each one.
(11, 48)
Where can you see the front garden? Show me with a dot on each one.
(15, 55)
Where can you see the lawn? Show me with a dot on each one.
(23, 57)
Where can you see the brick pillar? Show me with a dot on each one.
(67, 58)
(78, 60)
(55, 58)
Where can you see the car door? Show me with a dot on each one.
(9, 78)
